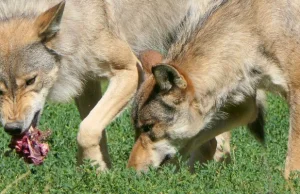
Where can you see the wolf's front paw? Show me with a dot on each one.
(88, 140)
(94, 155)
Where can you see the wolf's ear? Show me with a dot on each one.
(167, 76)
(48, 22)
(150, 58)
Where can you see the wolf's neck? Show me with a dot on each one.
(217, 58)
(226, 60)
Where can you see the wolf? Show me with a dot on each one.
(218, 148)
(57, 50)
(209, 81)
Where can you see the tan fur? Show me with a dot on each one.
(60, 45)
(229, 59)
(217, 148)
(140, 156)
(85, 103)
(149, 59)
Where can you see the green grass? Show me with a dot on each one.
(253, 169)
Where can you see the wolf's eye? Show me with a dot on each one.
(147, 128)
(1, 92)
(30, 81)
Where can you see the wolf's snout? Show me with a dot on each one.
(14, 128)
(166, 159)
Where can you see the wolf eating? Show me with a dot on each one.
(31, 145)
(58, 50)
(210, 81)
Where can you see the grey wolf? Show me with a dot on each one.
(52, 50)
(209, 81)
(158, 112)
(217, 148)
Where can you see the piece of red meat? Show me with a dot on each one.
(31, 145)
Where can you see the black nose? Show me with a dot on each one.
(13, 128)
(166, 159)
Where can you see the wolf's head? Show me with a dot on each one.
(28, 67)
(164, 114)
(173, 113)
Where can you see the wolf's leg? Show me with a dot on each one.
(217, 148)
(223, 147)
(89, 97)
(293, 154)
(85, 103)
(256, 127)
(203, 154)
(122, 86)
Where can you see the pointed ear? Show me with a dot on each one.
(149, 59)
(167, 76)
(48, 22)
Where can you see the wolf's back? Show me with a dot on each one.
(156, 24)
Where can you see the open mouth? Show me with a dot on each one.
(34, 122)
(31, 144)
(17, 127)
(35, 119)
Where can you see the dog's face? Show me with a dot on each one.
(28, 68)
(165, 115)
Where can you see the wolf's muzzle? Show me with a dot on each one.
(166, 159)
(14, 128)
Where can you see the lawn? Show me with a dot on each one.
(253, 169)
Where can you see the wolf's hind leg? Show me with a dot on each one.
(293, 154)
(202, 154)
(85, 103)
(217, 148)
(257, 127)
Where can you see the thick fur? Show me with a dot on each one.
(209, 82)
(49, 48)
(217, 148)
